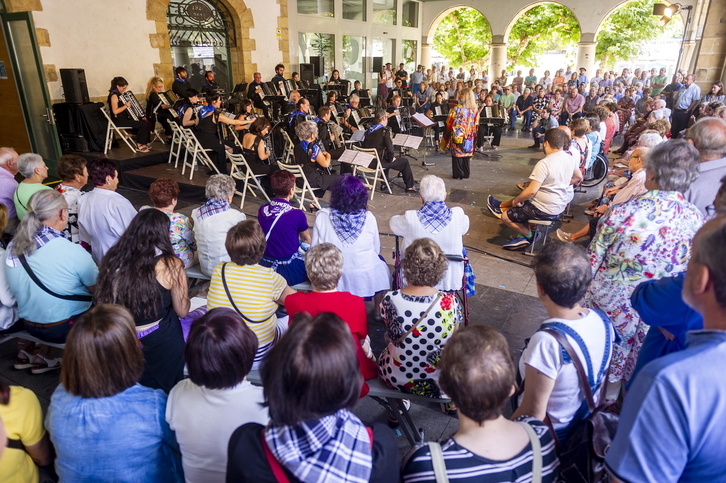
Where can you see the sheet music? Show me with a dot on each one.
(357, 136)
(407, 141)
(356, 157)
(437, 111)
(356, 117)
(422, 119)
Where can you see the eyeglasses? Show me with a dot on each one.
(710, 210)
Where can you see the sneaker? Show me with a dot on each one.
(520, 241)
(494, 206)
(563, 236)
(534, 146)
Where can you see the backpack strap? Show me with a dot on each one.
(438, 462)
(565, 329)
(536, 452)
(562, 340)
(231, 300)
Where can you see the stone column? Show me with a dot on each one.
(586, 54)
(497, 56)
(425, 55)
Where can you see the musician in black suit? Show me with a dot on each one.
(398, 90)
(444, 109)
(327, 137)
(494, 130)
(156, 110)
(394, 115)
(298, 116)
(312, 156)
(298, 83)
(180, 84)
(291, 103)
(254, 93)
(120, 113)
(378, 137)
(210, 84)
(278, 78)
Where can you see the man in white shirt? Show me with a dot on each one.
(103, 214)
(546, 196)
(708, 135)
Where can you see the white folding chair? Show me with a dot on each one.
(370, 176)
(198, 155)
(110, 129)
(233, 133)
(300, 193)
(176, 143)
(241, 170)
(288, 152)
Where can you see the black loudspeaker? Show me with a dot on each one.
(318, 65)
(74, 85)
(307, 73)
(377, 64)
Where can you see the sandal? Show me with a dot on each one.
(25, 362)
(144, 149)
(47, 365)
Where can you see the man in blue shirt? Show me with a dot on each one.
(689, 97)
(671, 426)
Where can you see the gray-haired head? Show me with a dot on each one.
(708, 135)
(220, 187)
(306, 129)
(324, 266)
(28, 162)
(7, 155)
(673, 165)
(432, 188)
(563, 271)
(649, 140)
(43, 206)
(709, 249)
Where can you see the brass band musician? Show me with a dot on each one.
(120, 115)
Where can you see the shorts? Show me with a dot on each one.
(526, 212)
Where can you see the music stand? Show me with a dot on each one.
(424, 122)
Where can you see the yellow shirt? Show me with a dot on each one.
(23, 420)
(254, 289)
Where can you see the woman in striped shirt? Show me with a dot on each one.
(252, 290)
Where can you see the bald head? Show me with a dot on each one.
(708, 135)
(9, 160)
(705, 286)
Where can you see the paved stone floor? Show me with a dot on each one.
(505, 291)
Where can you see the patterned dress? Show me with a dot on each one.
(646, 238)
(181, 236)
(462, 124)
(412, 365)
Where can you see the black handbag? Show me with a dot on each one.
(582, 457)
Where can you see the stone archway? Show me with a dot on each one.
(526, 9)
(240, 54)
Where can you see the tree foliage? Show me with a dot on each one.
(542, 28)
(626, 31)
(463, 37)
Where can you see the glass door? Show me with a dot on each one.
(33, 90)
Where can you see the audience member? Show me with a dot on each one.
(73, 173)
(142, 274)
(311, 381)
(8, 185)
(250, 289)
(27, 442)
(419, 321)
(547, 194)
(104, 425)
(647, 237)
(286, 230)
(349, 225)
(552, 387)
(66, 271)
(446, 226)
(477, 372)
(103, 214)
(708, 135)
(8, 304)
(213, 220)
(670, 425)
(34, 170)
(205, 409)
(164, 194)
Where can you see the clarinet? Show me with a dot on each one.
(134, 109)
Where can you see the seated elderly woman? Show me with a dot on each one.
(615, 195)
(105, 426)
(65, 269)
(73, 173)
(249, 288)
(436, 221)
(349, 225)
(217, 398)
(324, 264)
(478, 374)
(103, 214)
(419, 321)
(213, 220)
(552, 388)
(313, 158)
(164, 194)
(648, 237)
(311, 381)
(286, 230)
(33, 169)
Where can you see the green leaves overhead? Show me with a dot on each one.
(463, 37)
(625, 32)
(541, 29)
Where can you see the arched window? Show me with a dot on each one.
(201, 32)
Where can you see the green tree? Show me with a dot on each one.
(626, 31)
(463, 37)
(542, 28)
